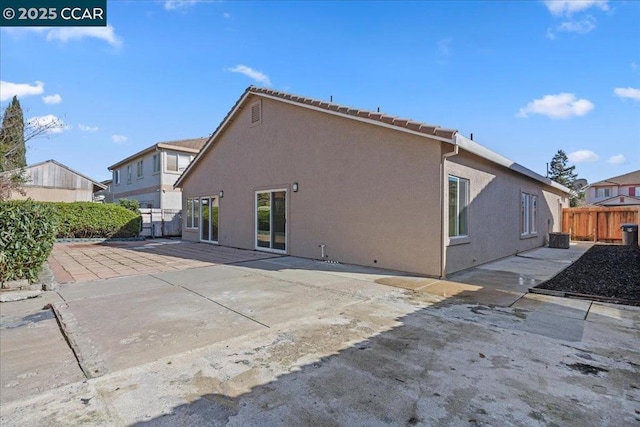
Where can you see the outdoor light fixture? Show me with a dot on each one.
(295, 187)
(221, 194)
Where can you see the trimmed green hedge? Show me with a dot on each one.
(27, 234)
(88, 219)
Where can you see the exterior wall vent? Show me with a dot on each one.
(256, 113)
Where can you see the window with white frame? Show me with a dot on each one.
(129, 174)
(603, 192)
(139, 169)
(116, 177)
(156, 163)
(192, 216)
(637, 191)
(528, 214)
(178, 162)
(458, 206)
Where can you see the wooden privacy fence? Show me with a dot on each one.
(598, 223)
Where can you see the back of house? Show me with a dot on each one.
(305, 177)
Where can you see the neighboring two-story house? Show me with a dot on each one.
(148, 176)
(622, 190)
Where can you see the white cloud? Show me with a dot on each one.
(568, 7)
(179, 4)
(8, 89)
(226, 15)
(617, 159)
(582, 156)
(628, 92)
(550, 34)
(53, 123)
(256, 75)
(560, 106)
(119, 139)
(634, 66)
(86, 128)
(64, 34)
(52, 99)
(582, 26)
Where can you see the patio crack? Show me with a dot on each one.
(213, 301)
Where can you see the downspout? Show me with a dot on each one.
(443, 223)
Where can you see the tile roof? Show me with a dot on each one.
(626, 179)
(410, 124)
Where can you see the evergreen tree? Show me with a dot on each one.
(12, 143)
(560, 172)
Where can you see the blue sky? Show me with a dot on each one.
(526, 78)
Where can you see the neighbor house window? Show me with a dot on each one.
(637, 189)
(458, 203)
(177, 162)
(129, 174)
(603, 192)
(139, 170)
(116, 176)
(528, 214)
(192, 213)
(156, 163)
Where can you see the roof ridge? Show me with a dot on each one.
(410, 124)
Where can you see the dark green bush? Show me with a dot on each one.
(87, 219)
(27, 234)
(131, 204)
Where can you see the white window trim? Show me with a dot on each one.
(604, 190)
(116, 177)
(140, 169)
(255, 221)
(194, 224)
(460, 238)
(211, 198)
(155, 171)
(129, 174)
(530, 229)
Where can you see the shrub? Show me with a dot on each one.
(131, 204)
(87, 219)
(27, 234)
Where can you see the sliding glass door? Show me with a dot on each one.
(209, 219)
(271, 220)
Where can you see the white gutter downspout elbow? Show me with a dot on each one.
(443, 189)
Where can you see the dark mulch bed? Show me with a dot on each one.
(604, 270)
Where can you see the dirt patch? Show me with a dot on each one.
(604, 270)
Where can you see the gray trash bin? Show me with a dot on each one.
(629, 234)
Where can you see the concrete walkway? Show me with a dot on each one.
(290, 341)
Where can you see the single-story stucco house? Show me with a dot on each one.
(309, 178)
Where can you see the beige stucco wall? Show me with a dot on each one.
(54, 195)
(370, 194)
(494, 212)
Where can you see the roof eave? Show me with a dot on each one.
(480, 151)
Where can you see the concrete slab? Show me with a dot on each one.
(35, 356)
(269, 300)
(10, 296)
(615, 314)
(563, 256)
(138, 327)
(107, 287)
(563, 307)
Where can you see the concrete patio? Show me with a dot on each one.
(290, 341)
